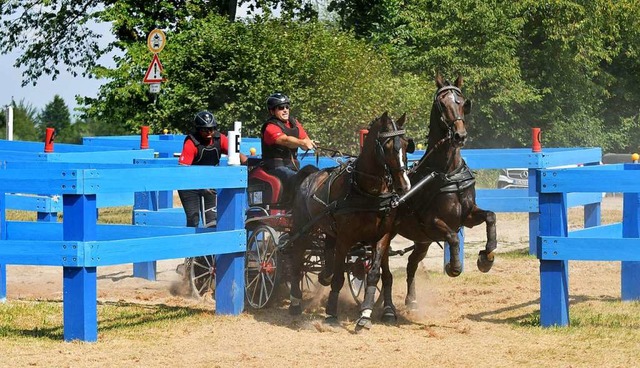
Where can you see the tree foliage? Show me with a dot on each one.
(52, 34)
(337, 84)
(570, 67)
(24, 120)
(55, 115)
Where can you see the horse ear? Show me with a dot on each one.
(439, 81)
(467, 107)
(458, 82)
(401, 121)
(411, 145)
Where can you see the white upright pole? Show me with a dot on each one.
(9, 116)
(234, 144)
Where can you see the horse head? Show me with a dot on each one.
(390, 144)
(451, 105)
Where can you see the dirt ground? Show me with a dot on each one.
(470, 321)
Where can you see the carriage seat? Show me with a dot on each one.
(264, 189)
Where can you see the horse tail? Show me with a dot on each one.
(302, 190)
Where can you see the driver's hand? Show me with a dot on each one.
(308, 144)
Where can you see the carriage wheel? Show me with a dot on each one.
(261, 266)
(311, 268)
(202, 275)
(312, 265)
(357, 279)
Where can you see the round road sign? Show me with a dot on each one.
(156, 41)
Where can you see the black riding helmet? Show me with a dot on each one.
(276, 100)
(205, 119)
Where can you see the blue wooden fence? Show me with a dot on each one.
(555, 245)
(80, 245)
(153, 203)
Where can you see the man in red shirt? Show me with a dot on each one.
(282, 135)
(203, 146)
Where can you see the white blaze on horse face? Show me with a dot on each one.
(404, 172)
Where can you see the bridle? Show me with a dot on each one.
(449, 125)
(381, 140)
(384, 137)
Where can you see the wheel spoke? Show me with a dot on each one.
(198, 277)
(196, 263)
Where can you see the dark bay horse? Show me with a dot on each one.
(349, 204)
(443, 199)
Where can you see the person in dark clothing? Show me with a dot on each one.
(282, 135)
(203, 146)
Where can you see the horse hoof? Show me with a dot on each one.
(331, 321)
(452, 271)
(389, 314)
(295, 310)
(411, 305)
(324, 280)
(485, 261)
(363, 323)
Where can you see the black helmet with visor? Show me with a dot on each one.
(205, 119)
(277, 99)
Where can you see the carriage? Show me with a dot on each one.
(268, 223)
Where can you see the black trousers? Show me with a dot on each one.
(192, 202)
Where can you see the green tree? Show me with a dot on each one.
(338, 84)
(24, 120)
(56, 115)
(72, 42)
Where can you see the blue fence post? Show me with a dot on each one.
(592, 214)
(79, 283)
(230, 267)
(3, 236)
(554, 275)
(592, 211)
(534, 217)
(630, 270)
(145, 201)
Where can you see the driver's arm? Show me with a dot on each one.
(293, 142)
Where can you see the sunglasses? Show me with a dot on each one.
(282, 107)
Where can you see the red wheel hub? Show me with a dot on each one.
(267, 267)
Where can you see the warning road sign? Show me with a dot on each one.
(154, 72)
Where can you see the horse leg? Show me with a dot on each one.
(418, 254)
(476, 217)
(389, 311)
(325, 276)
(454, 267)
(296, 260)
(373, 276)
(336, 284)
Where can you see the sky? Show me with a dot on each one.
(65, 85)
